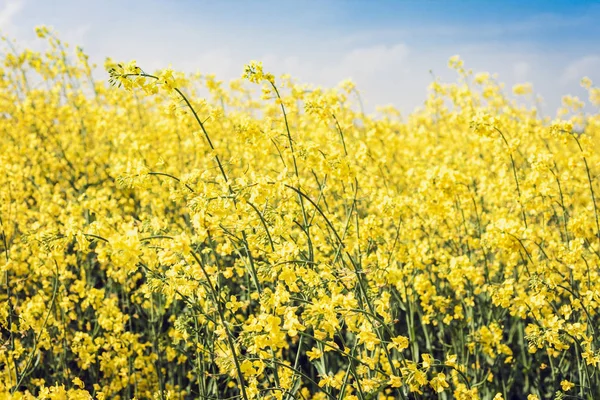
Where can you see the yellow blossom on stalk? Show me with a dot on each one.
(455, 62)
(330, 381)
(414, 377)
(566, 385)
(427, 360)
(78, 382)
(463, 393)
(483, 124)
(482, 77)
(314, 353)
(438, 383)
(522, 89)
(560, 127)
(586, 82)
(166, 78)
(399, 343)
(395, 381)
(255, 74)
(368, 338)
(41, 31)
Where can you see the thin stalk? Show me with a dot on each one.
(589, 177)
(39, 336)
(291, 144)
(240, 375)
(514, 169)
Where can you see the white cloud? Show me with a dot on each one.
(372, 60)
(521, 70)
(581, 67)
(77, 34)
(9, 10)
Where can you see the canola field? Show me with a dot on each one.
(170, 236)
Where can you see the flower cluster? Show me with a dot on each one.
(155, 244)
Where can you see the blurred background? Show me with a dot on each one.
(391, 49)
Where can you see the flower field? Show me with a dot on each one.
(170, 236)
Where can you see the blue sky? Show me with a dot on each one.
(386, 47)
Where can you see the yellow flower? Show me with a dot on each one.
(368, 338)
(427, 360)
(438, 383)
(483, 124)
(522, 89)
(41, 31)
(255, 74)
(455, 62)
(314, 353)
(566, 385)
(399, 343)
(586, 82)
(78, 382)
(395, 381)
